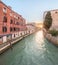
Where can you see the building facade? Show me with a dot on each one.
(31, 27)
(54, 15)
(11, 23)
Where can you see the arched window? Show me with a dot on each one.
(4, 19)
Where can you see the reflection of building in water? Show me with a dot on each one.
(54, 14)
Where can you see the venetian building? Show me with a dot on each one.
(54, 15)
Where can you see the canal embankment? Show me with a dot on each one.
(8, 44)
(49, 37)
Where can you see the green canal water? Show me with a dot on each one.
(32, 50)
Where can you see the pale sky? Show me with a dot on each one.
(32, 10)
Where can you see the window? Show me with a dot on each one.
(17, 23)
(56, 12)
(4, 29)
(11, 21)
(17, 29)
(14, 29)
(4, 19)
(14, 35)
(4, 10)
(0, 39)
(11, 29)
(18, 17)
(10, 14)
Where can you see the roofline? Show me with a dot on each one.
(51, 10)
(10, 8)
(5, 5)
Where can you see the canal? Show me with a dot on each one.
(32, 50)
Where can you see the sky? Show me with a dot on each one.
(32, 10)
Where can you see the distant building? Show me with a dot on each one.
(11, 23)
(31, 27)
(39, 25)
(54, 14)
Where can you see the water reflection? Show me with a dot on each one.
(32, 50)
(39, 38)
